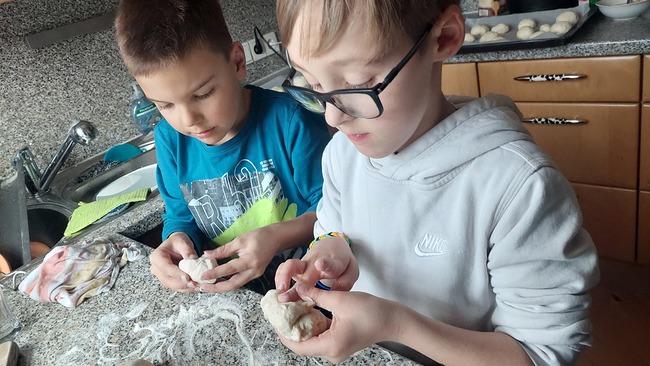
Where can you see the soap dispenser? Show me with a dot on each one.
(144, 113)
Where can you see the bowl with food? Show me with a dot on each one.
(623, 9)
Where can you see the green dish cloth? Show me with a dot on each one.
(88, 213)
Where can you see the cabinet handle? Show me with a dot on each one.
(550, 77)
(553, 121)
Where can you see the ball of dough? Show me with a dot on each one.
(479, 29)
(527, 23)
(545, 27)
(195, 268)
(490, 37)
(560, 28)
(297, 321)
(469, 37)
(536, 34)
(525, 32)
(568, 16)
(501, 28)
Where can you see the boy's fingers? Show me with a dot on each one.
(223, 251)
(319, 297)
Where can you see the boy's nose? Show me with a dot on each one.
(334, 117)
(189, 117)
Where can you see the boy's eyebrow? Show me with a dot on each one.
(195, 89)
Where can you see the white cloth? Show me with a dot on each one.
(471, 225)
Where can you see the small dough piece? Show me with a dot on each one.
(297, 321)
(525, 32)
(536, 34)
(469, 37)
(527, 23)
(196, 267)
(479, 29)
(490, 37)
(501, 28)
(569, 17)
(560, 28)
(545, 27)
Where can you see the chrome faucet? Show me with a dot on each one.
(81, 132)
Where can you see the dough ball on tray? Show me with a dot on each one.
(501, 28)
(527, 23)
(569, 17)
(490, 37)
(479, 29)
(525, 33)
(469, 37)
(560, 28)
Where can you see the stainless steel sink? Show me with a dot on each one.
(44, 217)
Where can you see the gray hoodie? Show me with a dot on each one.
(472, 225)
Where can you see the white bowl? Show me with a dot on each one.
(620, 10)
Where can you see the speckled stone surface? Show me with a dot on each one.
(138, 318)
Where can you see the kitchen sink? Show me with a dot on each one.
(47, 225)
(138, 172)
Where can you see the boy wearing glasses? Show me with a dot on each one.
(461, 240)
(237, 166)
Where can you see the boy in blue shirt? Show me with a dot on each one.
(238, 167)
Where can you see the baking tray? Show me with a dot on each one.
(511, 42)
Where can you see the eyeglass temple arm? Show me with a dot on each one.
(405, 60)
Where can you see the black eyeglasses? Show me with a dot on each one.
(358, 103)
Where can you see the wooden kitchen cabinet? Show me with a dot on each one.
(607, 79)
(646, 78)
(460, 79)
(644, 156)
(601, 151)
(607, 159)
(609, 215)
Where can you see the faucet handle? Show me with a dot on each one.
(82, 132)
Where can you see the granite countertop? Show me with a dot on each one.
(138, 318)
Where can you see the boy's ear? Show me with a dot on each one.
(449, 33)
(238, 59)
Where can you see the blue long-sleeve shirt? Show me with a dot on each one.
(269, 172)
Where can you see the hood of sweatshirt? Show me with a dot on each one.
(478, 126)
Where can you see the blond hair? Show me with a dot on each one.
(152, 34)
(387, 20)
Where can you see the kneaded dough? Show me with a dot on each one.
(297, 321)
(560, 28)
(525, 32)
(536, 34)
(469, 37)
(501, 28)
(545, 27)
(568, 16)
(479, 29)
(527, 23)
(196, 267)
(490, 36)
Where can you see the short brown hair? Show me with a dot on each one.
(152, 34)
(386, 19)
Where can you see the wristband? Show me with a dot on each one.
(333, 234)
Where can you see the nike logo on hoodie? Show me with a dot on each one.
(431, 245)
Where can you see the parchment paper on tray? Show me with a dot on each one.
(509, 39)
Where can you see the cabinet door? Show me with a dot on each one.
(460, 79)
(644, 164)
(607, 79)
(601, 151)
(644, 228)
(610, 218)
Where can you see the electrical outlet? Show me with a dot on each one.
(247, 52)
(272, 39)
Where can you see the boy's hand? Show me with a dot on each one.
(330, 258)
(254, 251)
(358, 321)
(164, 262)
